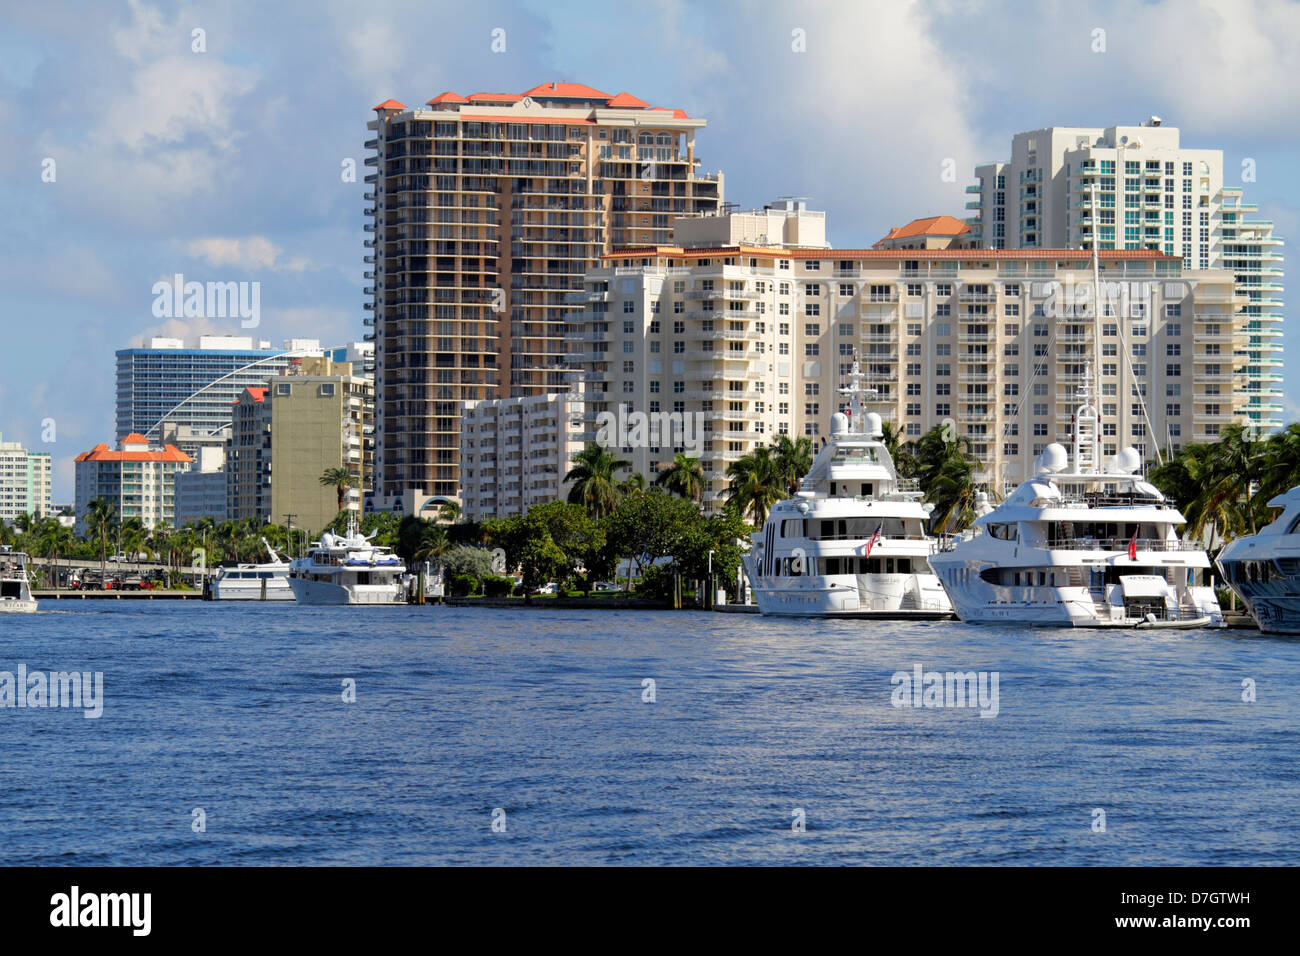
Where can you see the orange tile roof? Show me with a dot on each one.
(930, 226)
(391, 105)
(135, 438)
(102, 452)
(448, 97)
(975, 255)
(568, 91)
(626, 100)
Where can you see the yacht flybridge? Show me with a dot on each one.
(852, 543)
(348, 569)
(1081, 544)
(1264, 568)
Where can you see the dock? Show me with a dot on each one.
(64, 594)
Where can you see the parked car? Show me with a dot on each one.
(604, 586)
(550, 587)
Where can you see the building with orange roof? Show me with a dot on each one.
(137, 478)
(484, 210)
(933, 232)
(747, 325)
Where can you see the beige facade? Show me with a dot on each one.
(515, 452)
(484, 211)
(287, 434)
(138, 479)
(753, 341)
(1138, 187)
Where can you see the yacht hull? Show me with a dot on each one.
(882, 597)
(326, 593)
(20, 606)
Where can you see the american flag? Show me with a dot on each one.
(872, 543)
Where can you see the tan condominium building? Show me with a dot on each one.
(742, 341)
(515, 452)
(315, 417)
(483, 212)
(1138, 187)
(138, 479)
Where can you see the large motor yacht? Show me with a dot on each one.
(348, 569)
(852, 542)
(1264, 568)
(252, 582)
(1081, 544)
(15, 591)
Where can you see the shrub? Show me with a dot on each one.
(494, 586)
(463, 585)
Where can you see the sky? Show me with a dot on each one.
(218, 154)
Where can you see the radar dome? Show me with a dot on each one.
(839, 424)
(873, 426)
(1128, 460)
(1054, 458)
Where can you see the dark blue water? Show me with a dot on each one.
(238, 710)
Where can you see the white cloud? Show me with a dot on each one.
(253, 252)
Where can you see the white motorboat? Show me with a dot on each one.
(15, 589)
(1264, 568)
(852, 542)
(253, 582)
(348, 569)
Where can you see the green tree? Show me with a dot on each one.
(791, 460)
(101, 520)
(594, 480)
(341, 479)
(755, 485)
(684, 477)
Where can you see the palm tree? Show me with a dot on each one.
(449, 511)
(100, 518)
(342, 479)
(755, 485)
(684, 477)
(130, 537)
(595, 486)
(792, 460)
(945, 469)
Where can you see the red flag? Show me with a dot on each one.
(872, 543)
(1133, 547)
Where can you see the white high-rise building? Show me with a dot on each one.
(1150, 192)
(515, 452)
(24, 482)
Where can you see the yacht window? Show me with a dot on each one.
(867, 489)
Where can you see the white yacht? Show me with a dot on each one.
(253, 582)
(852, 543)
(1080, 545)
(15, 591)
(348, 569)
(1264, 568)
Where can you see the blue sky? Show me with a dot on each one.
(225, 164)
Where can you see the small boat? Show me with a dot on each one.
(252, 582)
(1264, 568)
(348, 569)
(852, 543)
(15, 590)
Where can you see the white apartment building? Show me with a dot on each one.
(1150, 192)
(752, 341)
(25, 479)
(515, 452)
(138, 479)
